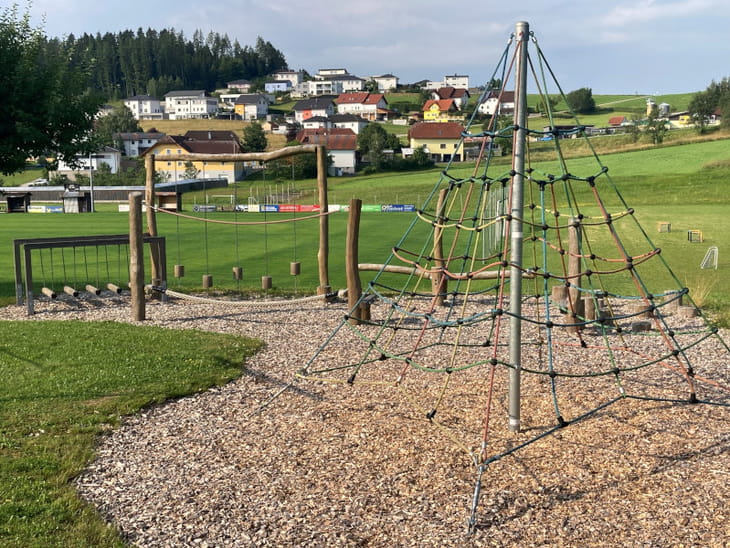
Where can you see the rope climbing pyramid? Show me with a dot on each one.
(531, 290)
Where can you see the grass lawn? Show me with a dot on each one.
(27, 175)
(65, 383)
(683, 185)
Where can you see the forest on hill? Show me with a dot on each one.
(154, 62)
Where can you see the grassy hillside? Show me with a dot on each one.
(179, 127)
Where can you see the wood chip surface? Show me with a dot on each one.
(329, 464)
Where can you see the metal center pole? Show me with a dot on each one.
(522, 32)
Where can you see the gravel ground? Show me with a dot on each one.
(326, 464)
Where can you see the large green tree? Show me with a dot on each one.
(704, 104)
(581, 101)
(254, 138)
(373, 140)
(45, 103)
(119, 120)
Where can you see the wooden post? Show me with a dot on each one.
(354, 287)
(151, 218)
(439, 282)
(136, 256)
(575, 302)
(323, 254)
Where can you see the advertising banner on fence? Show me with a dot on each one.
(45, 209)
(310, 208)
(372, 208)
(398, 208)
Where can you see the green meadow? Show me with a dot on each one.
(684, 185)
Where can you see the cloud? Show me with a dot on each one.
(645, 11)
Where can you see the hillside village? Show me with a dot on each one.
(331, 108)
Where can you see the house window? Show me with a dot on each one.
(443, 145)
(169, 164)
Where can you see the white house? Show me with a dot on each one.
(107, 155)
(145, 107)
(325, 72)
(371, 106)
(460, 96)
(348, 121)
(454, 81)
(492, 103)
(283, 86)
(386, 82)
(181, 105)
(312, 88)
(460, 81)
(349, 82)
(294, 76)
(317, 122)
(314, 106)
(251, 106)
(341, 146)
(136, 143)
(244, 86)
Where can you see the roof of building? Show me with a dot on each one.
(202, 144)
(444, 105)
(186, 93)
(616, 120)
(360, 98)
(338, 77)
(436, 130)
(314, 103)
(141, 98)
(210, 135)
(344, 118)
(332, 138)
(316, 119)
(139, 135)
(352, 98)
(449, 92)
(250, 99)
(507, 96)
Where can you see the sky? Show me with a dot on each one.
(649, 47)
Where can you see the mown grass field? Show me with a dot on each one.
(683, 185)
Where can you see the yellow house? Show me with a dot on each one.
(197, 142)
(439, 110)
(441, 141)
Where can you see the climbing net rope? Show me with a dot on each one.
(602, 317)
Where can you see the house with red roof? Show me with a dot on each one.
(341, 146)
(440, 110)
(213, 142)
(460, 96)
(617, 121)
(370, 106)
(442, 142)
